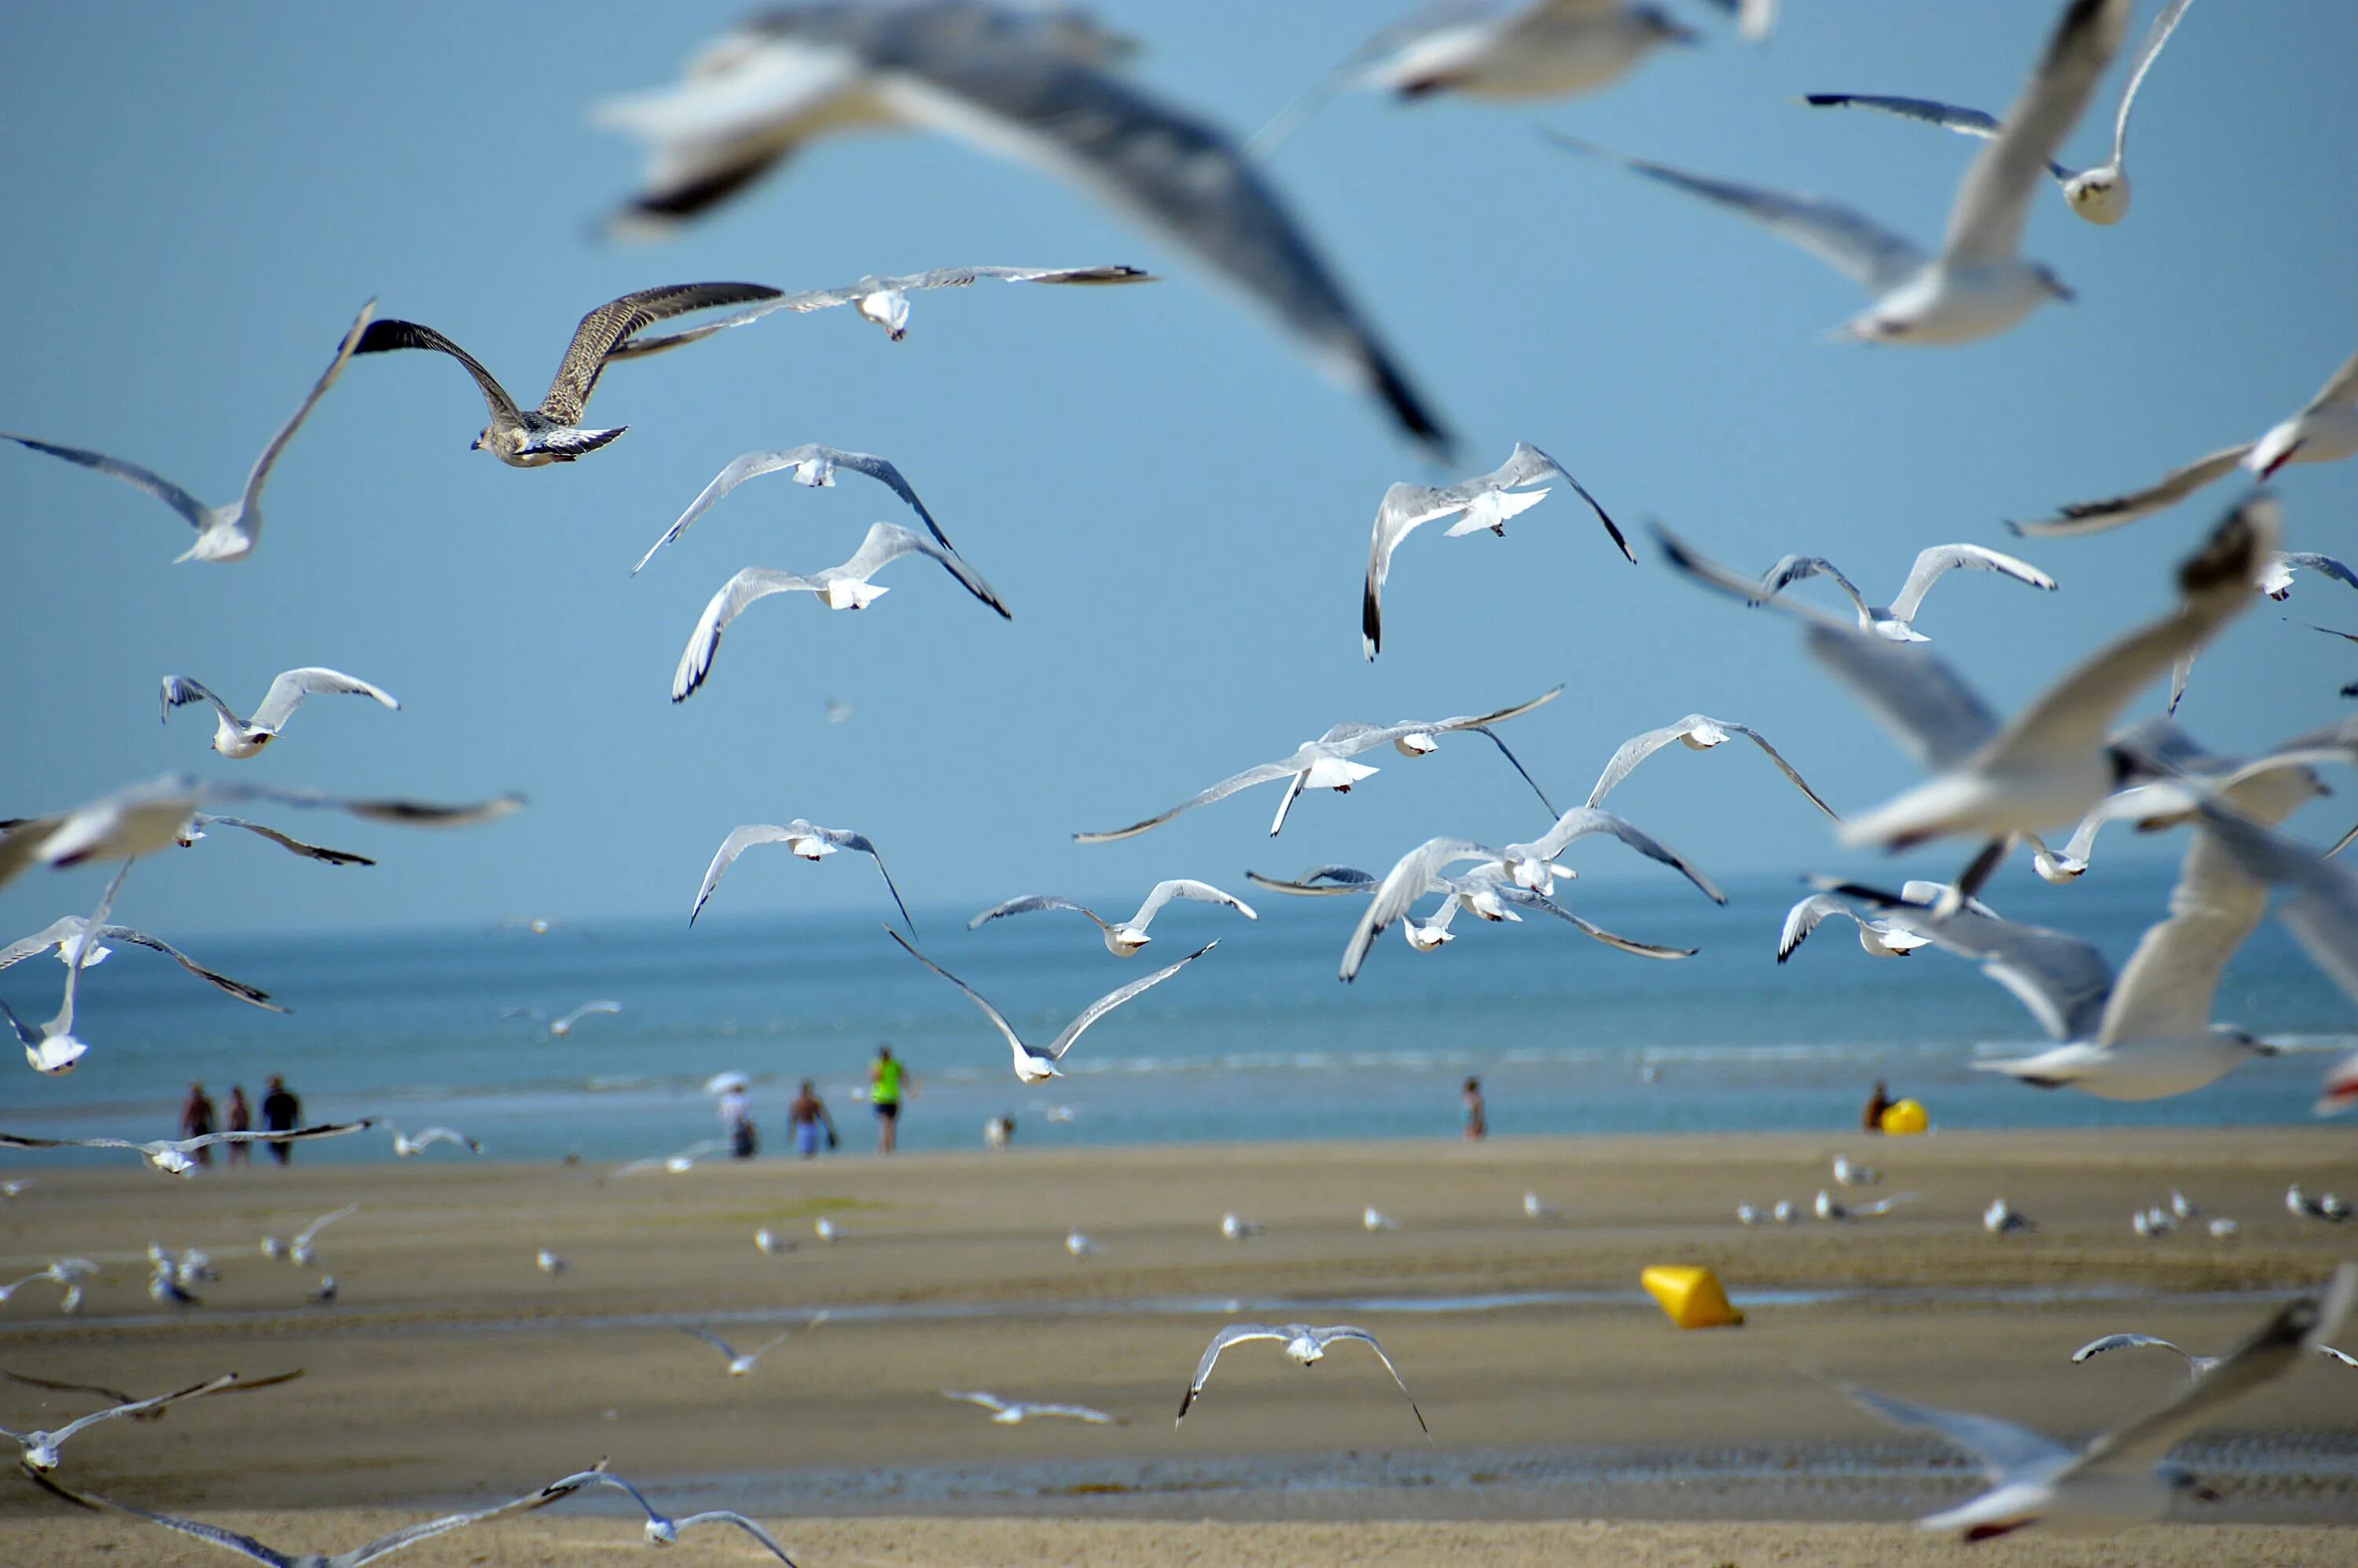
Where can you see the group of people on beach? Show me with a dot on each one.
(808, 1122)
(281, 1112)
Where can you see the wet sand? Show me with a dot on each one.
(452, 1370)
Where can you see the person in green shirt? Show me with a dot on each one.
(884, 1096)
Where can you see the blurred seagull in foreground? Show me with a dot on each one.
(1014, 1412)
(1696, 732)
(52, 1049)
(2195, 1365)
(1032, 1066)
(223, 533)
(1020, 83)
(1897, 620)
(1300, 1343)
(171, 1155)
(661, 1529)
(846, 587)
(1976, 285)
(2120, 1479)
(553, 432)
(1127, 937)
(812, 465)
(239, 739)
(2100, 194)
(76, 941)
(803, 841)
(1485, 501)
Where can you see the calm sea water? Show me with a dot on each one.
(1258, 1041)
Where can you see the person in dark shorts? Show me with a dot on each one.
(238, 1118)
(1477, 1122)
(281, 1112)
(805, 1117)
(197, 1120)
(884, 1097)
(1870, 1118)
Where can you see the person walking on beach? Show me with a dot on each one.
(884, 1097)
(197, 1120)
(1478, 1124)
(804, 1120)
(1870, 1119)
(281, 1112)
(737, 1121)
(238, 1117)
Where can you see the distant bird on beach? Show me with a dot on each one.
(1302, 1343)
(1828, 1208)
(1896, 622)
(549, 1263)
(1375, 1219)
(1849, 1174)
(1538, 1207)
(1078, 1245)
(770, 1244)
(678, 1164)
(812, 465)
(743, 1362)
(223, 533)
(2002, 1219)
(240, 739)
(2300, 1205)
(405, 1145)
(803, 841)
(661, 1529)
(1014, 1412)
(560, 1027)
(1124, 938)
(553, 432)
(41, 1447)
(827, 1229)
(171, 1155)
(1237, 1228)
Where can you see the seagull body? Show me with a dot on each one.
(1078, 1245)
(172, 1155)
(560, 1027)
(404, 1144)
(553, 432)
(548, 1262)
(1377, 1220)
(1127, 937)
(1325, 762)
(1237, 1228)
(2119, 1479)
(41, 1447)
(1976, 285)
(1033, 1067)
(51, 1050)
(1696, 732)
(2100, 194)
(1880, 939)
(1014, 1412)
(661, 1529)
(239, 739)
(1896, 622)
(804, 840)
(223, 533)
(1850, 1175)
(1019, 83)
(812, 465)
(838, 588)
(1537, 1207)
(1833, 1212)
(1484, 502)
(1302, 1343)
(2001, 1218)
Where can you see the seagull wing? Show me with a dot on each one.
(252, 996)
(1795, 568)
(196, 511)
(754, 464)
(2123, 1342)
(2322, 913)
(2157, 35)
(890, 541)
(1581, 821)
(1930, 564)
(1985, 223)
(1265, 772)
(325, 1220)
(752, 584)
(1345, 1331)
(1638, 747)
(54, 934)
(263, 464)
(179, 690)
(1235, 1333)
(1409, 880)
(1187, 888)
(1921, 702)
(137, 1406)
(63, 1023)
(384, 337)
(2094, 516)
(1033, 903)
(2004, 1449)
(117, 1395)
(1114, 999)
(998, 1019)
(1404, 509)
(1806, 916)
(298, 1135)
(2062, 980)
(723, 1516)
(1321, 882)
(595, 339)
(1976, 123)
(1364, 737)
(976, 1397)
(293, 846)
(1077, 1412)
(845, 838)
(212, 1533)
(2167, 988)
(713, 1339)
(1528, 898)
(960, 276)
(400, 1538)
(293, 685)
(2342, 388)
(2324, 566)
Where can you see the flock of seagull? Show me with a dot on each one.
(1043, 85)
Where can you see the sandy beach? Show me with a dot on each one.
(450, 1370)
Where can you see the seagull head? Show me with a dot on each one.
(40, 1452)
(2101, 195)
(55, 1055)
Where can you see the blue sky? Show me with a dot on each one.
(1174, 507)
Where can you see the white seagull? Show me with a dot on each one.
(1977, 284)
(239, 739)
(1300, 1343)
(1849, 1174)
(770, 1244)
(52, 1049)
(838, 588)
(72, 940)
(1485, 501)
(41, 1447)
(1236, 1228)
(743, 1362)
(804, 840)
(1696, 732)
(1880, 939)
(2002, 1219)
(223, 533)
(812, 465)
(301, 1253)
(549, 1263)
(2195, 1365)
(1037, 1066)
(885, 300)
(1537, 1207)
(1533, 865)
(560, 1027)
(1896, 622)
(1325, 762)
(2100, 194)
(1127, 937)
(194, 829)
(1078, 1245)
(407, 1144)
(1826, 1209)
(827, 1229)
(1374, 1218)
(171, 1155)
(2119, 1479)
(662, 1530)
(1485, 891)
(1014, 1412)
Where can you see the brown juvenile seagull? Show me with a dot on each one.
(535, 437)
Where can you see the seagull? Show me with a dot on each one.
(1037, 1066)
(2324, 432)
(62, 1272)
(1896, 622)
(1533, 865)
(1747, 1215)
(194, 829)
(2189, 775)
(325, 1293)
(770, 1243)
(41, 1447)
(1829, 1210)
(1237, 1228)
(15, 1189)
(1881, 938)
(152, 1410)
(52, 1050)
(1784, 1213)
(553, 432)
(71, 940)
(1300, 1343)
(885, 300)
(223, 533)
(1126, 939)
(997, 1132)
(812, 465)
(146, 818)
(2184, 1207)
(1849, 1175)
(405, 1144)
(1014, 1412)
(827, 1229)
(2150, 1223)
(2100, 194)
(1976, 285)
(1696, 732)
(742, 1362)
(301, 1254)
(2196, 1366)
(1537, 1207)
(804, 840)
(239, 739)
(549, 1263)
(837, 712)
(1487, 892)
(675, 1164)
(662, 1530)
(165, 1291)
(1485, 501)
(1078, 1245)
(2300, 1205)
(2001, 1218)
(2119, 1479)
(171, 1155)
(1375, 1219)
(838, 588)
(1020, 84)
(1325, 762)
(560, 1027)
(2224, 1229)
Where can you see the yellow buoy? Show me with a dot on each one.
(1691, 1295)
(1905, 1116)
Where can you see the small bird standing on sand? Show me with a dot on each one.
(549, 1263)
(1239, 1229)
(1537, 1207)
(1078, 1245)
(2001, 1218)
(1377, 1220)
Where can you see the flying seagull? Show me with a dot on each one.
(1976, 285)
(1128, 936)
(1696, 732)
(52, 1049)
(223, 533)
(1881, 938)
(41, 1447)
(1897, 620)
(1022, 83)
(300, 1252)
(560, 1027)
(806, 840)
(838, 588)
(199, 821)
(743, 1362)
(661, 1529)
(2100, 194)
(1014, 1412)
(2119, 1479)
(885, 300)
(535, 437)
(1325, 762)
(1487, 892)
(1300, 1343)
(812, 465)
(1032, 1066)
(154, 1409)
(405, 1144)
(170, 1155)
(1533, 865)
(1485, 501)
(238, 739)
(2196, 1366)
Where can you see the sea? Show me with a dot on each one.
(1259, 1041)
